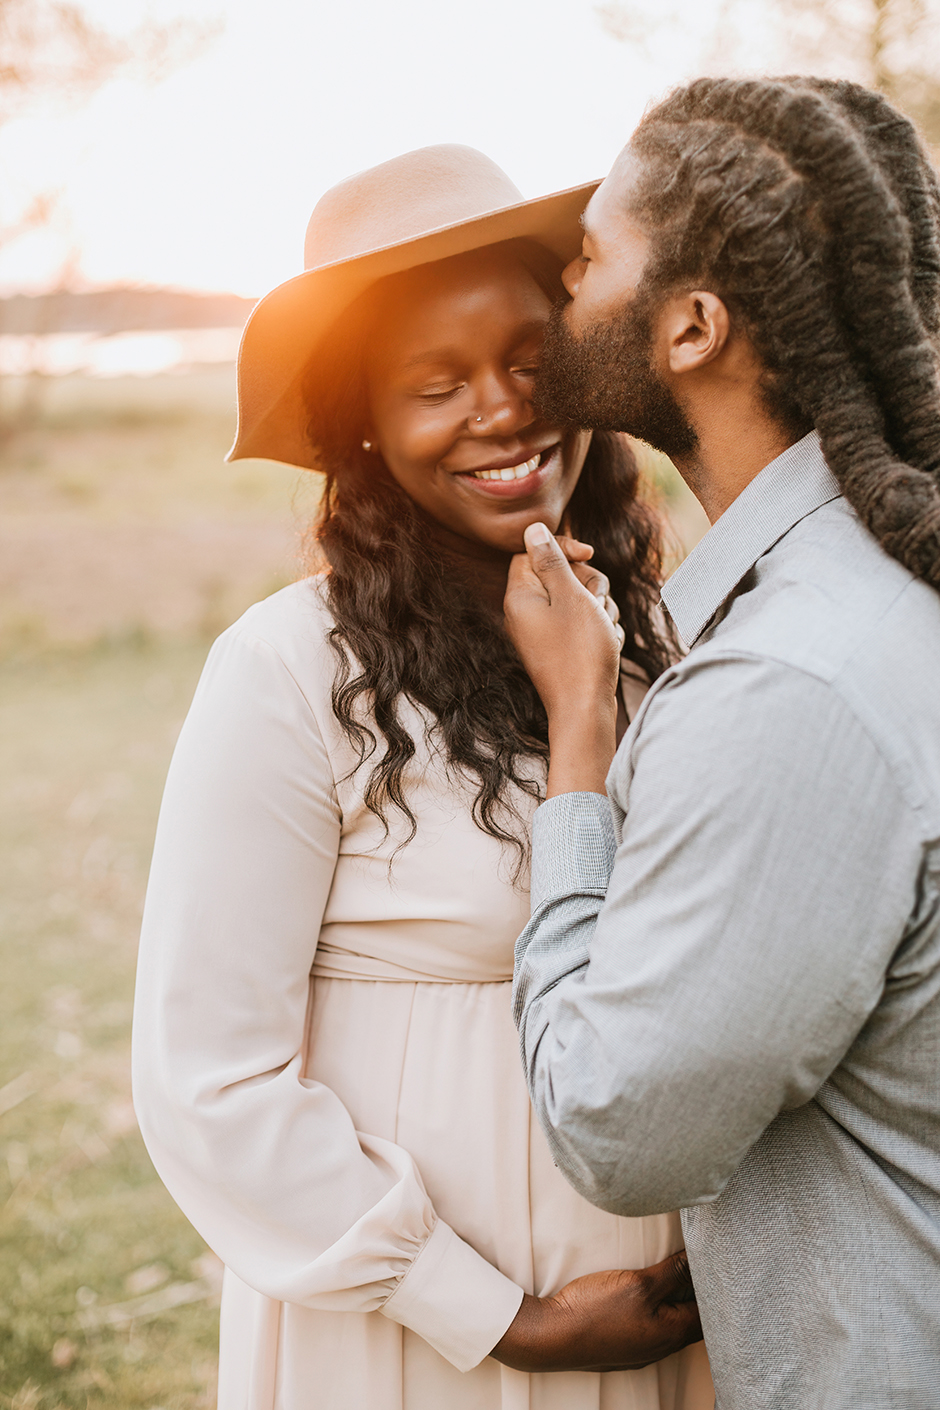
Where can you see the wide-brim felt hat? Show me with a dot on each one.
(420, 207)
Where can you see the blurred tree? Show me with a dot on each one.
(50, 50)
(52, 56)
(892, 45)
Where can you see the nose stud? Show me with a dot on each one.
(367, 445)
(479, 418)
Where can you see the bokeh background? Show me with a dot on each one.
(158, 163)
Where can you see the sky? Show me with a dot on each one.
(206, 180)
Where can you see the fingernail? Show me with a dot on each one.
(537, 533)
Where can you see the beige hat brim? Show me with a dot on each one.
(285, 327)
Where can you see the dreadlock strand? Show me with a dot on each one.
(894, 143)
(778, 198)
(860, 210)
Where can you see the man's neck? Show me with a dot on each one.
(736, 435)
(728, 456)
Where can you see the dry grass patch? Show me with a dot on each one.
(118, 517)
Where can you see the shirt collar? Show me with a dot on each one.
(782, 494)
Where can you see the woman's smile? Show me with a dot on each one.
(514, 480)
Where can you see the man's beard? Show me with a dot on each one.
(606, 381)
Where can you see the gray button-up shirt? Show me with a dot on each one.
(729, 992)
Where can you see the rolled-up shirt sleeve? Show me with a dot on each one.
(681, 984)
(264, 1160)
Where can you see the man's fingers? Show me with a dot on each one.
(596, 582)
(685, 1324)
(573, 549)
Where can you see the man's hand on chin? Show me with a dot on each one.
(563, 625)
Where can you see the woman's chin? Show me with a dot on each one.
(492, 531)
(510, 538)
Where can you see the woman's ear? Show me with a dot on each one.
(695, 329)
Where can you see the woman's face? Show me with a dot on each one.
(450, 395)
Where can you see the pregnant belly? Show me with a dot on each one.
(435, 1068)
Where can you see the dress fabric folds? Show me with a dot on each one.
(326, 1070)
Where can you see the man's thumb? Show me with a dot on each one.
(545, 557)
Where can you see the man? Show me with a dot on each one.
(729, 993)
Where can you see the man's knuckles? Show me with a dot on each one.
(548, 559)
(596, 582)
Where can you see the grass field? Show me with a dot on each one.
(107, 1296)
(125, 545)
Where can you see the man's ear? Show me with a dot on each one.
(695, 330)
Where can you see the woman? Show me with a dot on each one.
(326, 1070)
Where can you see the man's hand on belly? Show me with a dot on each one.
(618, 1320)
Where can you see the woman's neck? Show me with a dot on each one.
(483, 568)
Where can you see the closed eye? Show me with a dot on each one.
(434, 395)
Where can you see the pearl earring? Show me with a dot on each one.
(367, 445)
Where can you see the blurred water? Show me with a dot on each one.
(116, 355)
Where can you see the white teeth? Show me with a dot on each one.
(513, 472)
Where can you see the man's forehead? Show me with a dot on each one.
(607, 210)
(611, 199)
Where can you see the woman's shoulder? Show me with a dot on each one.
(296, 615)
(289, 630)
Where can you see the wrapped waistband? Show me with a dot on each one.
(334, 963)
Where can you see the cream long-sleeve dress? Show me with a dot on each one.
(326, 1069)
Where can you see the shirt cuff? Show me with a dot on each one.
(453, 1298)
(573, 847)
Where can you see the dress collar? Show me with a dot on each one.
(784, 492)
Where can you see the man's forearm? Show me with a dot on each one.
(673, 1002)
(573, 848)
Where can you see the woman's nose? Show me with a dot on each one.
(502, 413)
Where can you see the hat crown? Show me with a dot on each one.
(403, 199)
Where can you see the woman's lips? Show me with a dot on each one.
(521, 480)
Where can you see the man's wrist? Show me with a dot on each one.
(581, 746)
(537, 1338)
(518, 1347)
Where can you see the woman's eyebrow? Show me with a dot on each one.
(426, 359)
(535, 328)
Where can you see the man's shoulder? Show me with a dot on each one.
(828, 605)
(828, 600)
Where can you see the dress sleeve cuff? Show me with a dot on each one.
(573, 847)
(453, 1298)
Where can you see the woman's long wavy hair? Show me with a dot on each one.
(406, 625)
